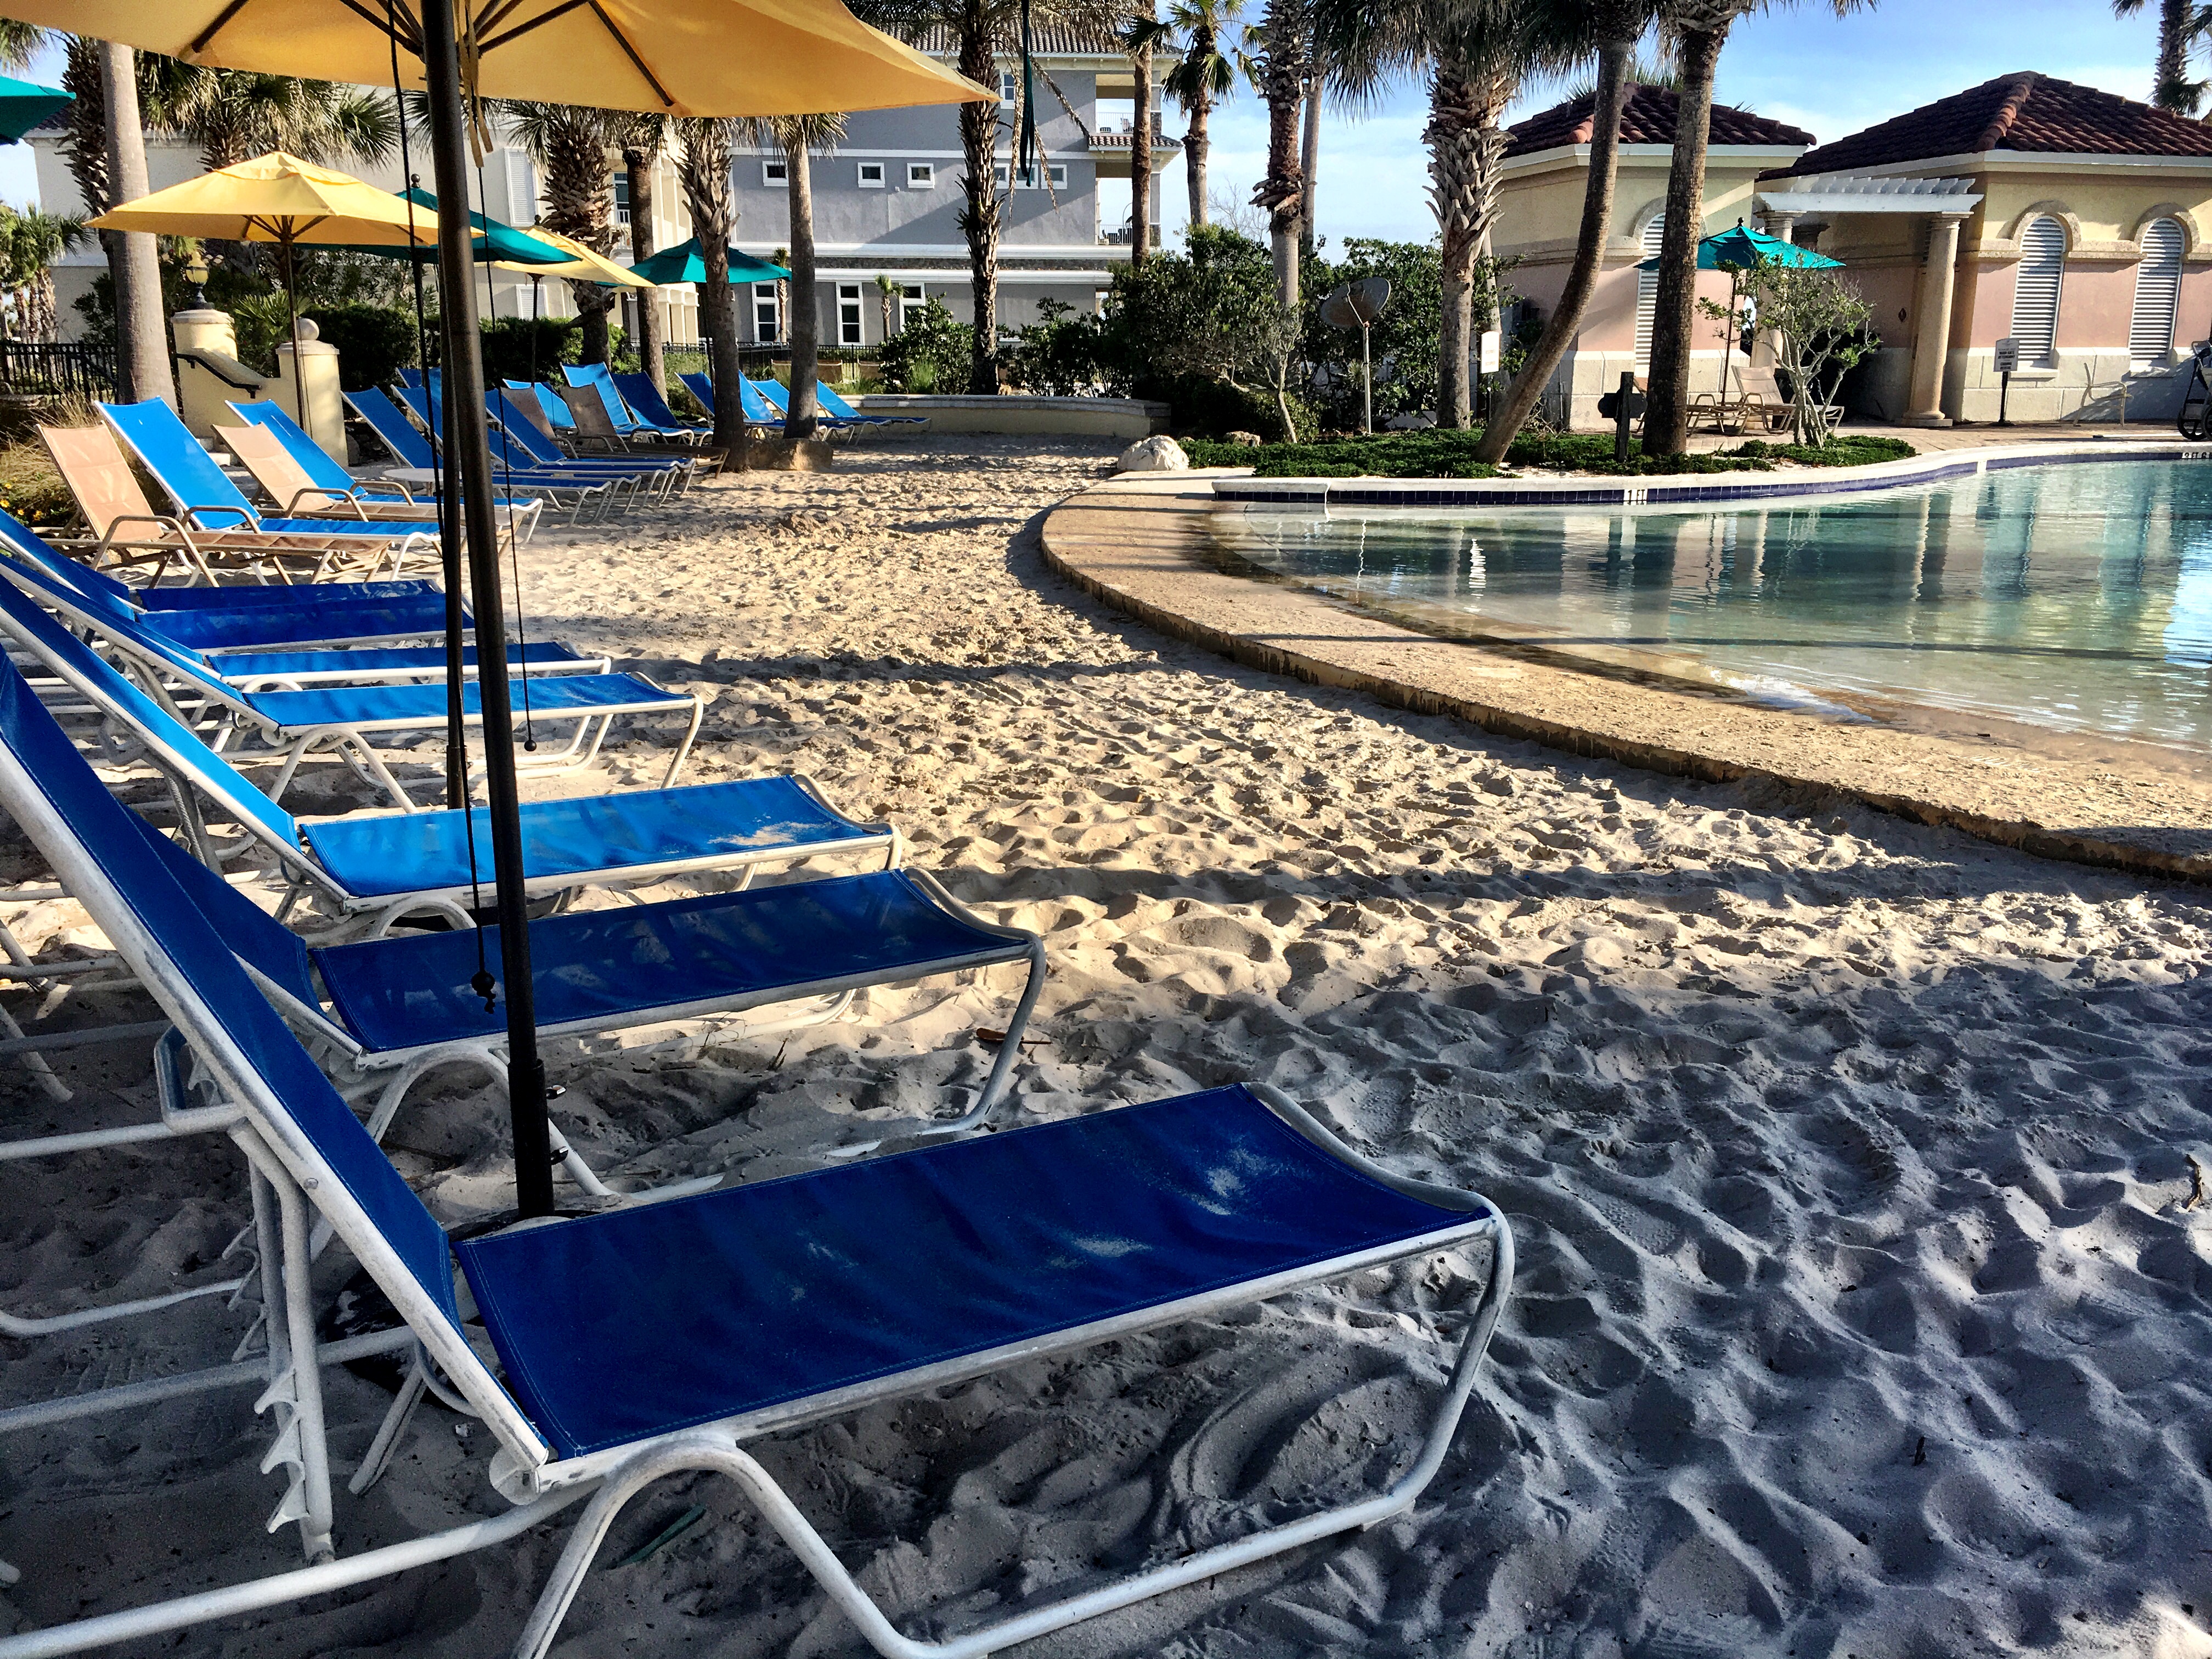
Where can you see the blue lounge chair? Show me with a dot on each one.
(386, 866)
(206, 499)
(774, 393)
(751, 406)
(298, 722)
(578, 492)
(397, 1008)
(656, 1339)
(387, 498)
(626, 420)
(527, 441)
(833, 403)
(639, 392)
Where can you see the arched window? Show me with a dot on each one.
(2158, 294)
(1647, 294)
(2035, 292)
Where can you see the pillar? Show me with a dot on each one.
(311, 392)
(209, 374)
(1931, 331)
(1779, 224)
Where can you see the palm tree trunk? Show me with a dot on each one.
(1194, 141)
(705, 171)
(1140, 153)
(1673, 319)
(806, 309)
(2173, 91)
(1465, 145)
(134, 264)
(1282, 83)
(1310, 163)
(638, 168)
(979, 220)
(1618, 27)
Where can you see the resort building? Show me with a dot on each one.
(1539, 212)
(2067, 220)
(887, 200)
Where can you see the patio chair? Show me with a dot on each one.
(124, 527)
(320, 475)
(1764, 389)
(527, 442)
(281, 478)
(418, 464)
(295, 723)
(753, 407)
(833, 402)
(375, 868)
(390, 1011)
(656, 1339)
(590, 424)
(639, 392)
(627, 421)
(204, 497)
(280, 670)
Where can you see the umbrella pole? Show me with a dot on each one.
(292, 322)
(469, 458)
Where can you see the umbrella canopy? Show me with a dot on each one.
(499, 243)
(277, 198)
(582, 264)
(23, 106)
(685, 263)
(668, 57)
(1740, 249)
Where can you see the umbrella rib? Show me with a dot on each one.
(605, 22)
(622, 40)
(521, 29)
(222, 20)
(411, 38)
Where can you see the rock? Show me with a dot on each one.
(1244, 440)
(1153, 455)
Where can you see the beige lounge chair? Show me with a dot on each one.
(125, 528)
(286, 483)
(1773, 403)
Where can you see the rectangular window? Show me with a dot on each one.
(1057, 171)
(849, 314)
(922, 175)
(871, 175)
(1098, 301)
(910, 302)
(622, 198)
(1006, 86)
(768, 316)
(776, 175)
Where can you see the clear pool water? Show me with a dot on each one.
(2078, 597)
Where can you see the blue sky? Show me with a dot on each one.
(1799, 63)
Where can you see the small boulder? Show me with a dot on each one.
(1153, 455)
(1242, 439)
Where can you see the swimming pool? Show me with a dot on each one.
(2074, 596)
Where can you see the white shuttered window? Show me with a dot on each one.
(2035, 292)
(2158, 294)
(1647, 294)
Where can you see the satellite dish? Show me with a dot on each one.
(1337, 310)
(1368, 295)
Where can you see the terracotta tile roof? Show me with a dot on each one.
(1046, 39)
(2024, 111)
(1649, 119)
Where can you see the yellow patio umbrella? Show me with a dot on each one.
(689, 57)
(280, 199)
(584, 264)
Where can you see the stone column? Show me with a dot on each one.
(1779, 224)
(309, 389)
(1931, 331)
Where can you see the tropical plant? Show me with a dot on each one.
(702, 152)
(1213, 317)
(982, 31)
(1822, 328)
(1064, 354)
(1475, 54)
(1141, 38)
(1208, 60)
(886, 291)
(1697, 29)
(797, 135)
(1285, 50)
(930, 353)
(642, 138)
(569, 144)
(233, 115)
(30, 241)
(134, 264)
(1404, 344)
(2182, 24)
(1573, 28)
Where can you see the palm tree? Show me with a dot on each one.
(642, 139)
(2181, 25)
(886, 290)
(1141, 38)
(796, 136)
(702, 167)
(1309, 152)
(1699, 29)
(1475, 52)
(134, 265)
(30, 241)
(1206, 67)
(84, 139)
(1283, 58)
(982, 31)
(1611, 28)
(569, 144)
(233, 115)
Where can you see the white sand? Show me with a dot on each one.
(1830, 1142)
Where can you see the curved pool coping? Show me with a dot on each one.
(1127, 541)
(1696, 488)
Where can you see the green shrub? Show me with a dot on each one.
(1448, 454)
(373, 341)
(1061, 356)
(931, 354)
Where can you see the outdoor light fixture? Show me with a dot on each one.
(196, 273)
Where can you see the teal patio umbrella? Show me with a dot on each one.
(492, 241)
(684, 263)
(1738, 251)
(23, 106)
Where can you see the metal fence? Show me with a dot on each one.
(84, 367)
